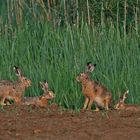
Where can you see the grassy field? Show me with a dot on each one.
(58, 55)
(47, 50)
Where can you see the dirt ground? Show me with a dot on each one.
(55, 123)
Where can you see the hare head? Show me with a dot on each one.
(85, 75)
(25, 81)
(121, 104)
(47, 94)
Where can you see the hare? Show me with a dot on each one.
(121, 105)
(93, 91)
(14, 90)
(41, 101)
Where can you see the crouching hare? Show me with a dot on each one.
(14, 90)
(41, 101)
(93, 91)
(121, 105)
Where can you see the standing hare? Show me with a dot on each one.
(121, 105)
(14, 90)
(41, 101)
(93, 91)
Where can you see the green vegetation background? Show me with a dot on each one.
(52, 40)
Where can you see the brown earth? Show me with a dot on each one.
(54, 123)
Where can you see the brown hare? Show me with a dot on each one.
(14, 90)
(121, 105)
(93, 91)
(41, 101)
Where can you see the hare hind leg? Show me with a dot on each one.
(2, 101)
(106, 103)
(7, 102)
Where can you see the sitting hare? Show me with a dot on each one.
(41, 101)
(14, 90)
(93, 91)
(121, 105)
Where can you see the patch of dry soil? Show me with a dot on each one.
(53, 123)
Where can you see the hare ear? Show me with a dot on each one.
(125, 95)
(90, 67)
(46, 84)
(17, 70)
(41, 83)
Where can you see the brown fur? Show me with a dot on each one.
(121, 105)
(41, 101)
(131, 107)
(93, 91)
(6, 82)
(13, 90)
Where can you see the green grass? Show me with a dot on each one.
(59, 55)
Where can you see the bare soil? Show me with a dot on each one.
(55, 123)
